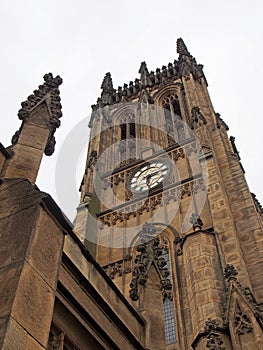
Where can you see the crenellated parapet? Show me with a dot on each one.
(185, 65)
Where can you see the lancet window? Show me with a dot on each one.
(128, 139)
(173, 120)
(171, 103)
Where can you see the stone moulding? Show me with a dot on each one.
(151, 203)
(119, 268)
(180, 152)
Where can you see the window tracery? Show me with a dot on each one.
(154, 251)
(172, 114)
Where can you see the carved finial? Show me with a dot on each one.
(196, 221)
(50, 87)
(53, 82)
(40, 113)
(107, 91)
(144, 74)
(214, 339)
(181, 48)
(107, 86)
(230, 272)
(211, 325)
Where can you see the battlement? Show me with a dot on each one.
(185, 65)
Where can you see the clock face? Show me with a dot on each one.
(148, 176)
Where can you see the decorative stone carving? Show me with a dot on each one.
(50, 147)
(214, 342)
(15, 136)
(220, 122)
(181, 47)
(230, 272)
(173, 194)
(214, 339)
(149, 255)
(211, 326)
(50, 87)
(187, 63)
(119, 268)
(178, 241)
(48, 92)
(242, 322)
(152, 202)
(234, 147)
(144, 74)
(178, 153)
(241, 319)
(196, 221)
(187, 190)
(107, 90)
(183, 67)
(92, 160)
(197, 116)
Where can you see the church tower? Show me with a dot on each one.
(166, 210)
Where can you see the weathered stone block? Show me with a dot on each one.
(9, 278)
(33, 304)
(15, 232)
(45, 248)
(15, 336)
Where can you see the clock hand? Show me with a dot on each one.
(149, 176)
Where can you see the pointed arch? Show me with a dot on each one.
(154, 250)
(171, 99)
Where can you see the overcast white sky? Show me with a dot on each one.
(81, 40)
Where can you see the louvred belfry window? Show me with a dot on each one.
(171, 103)
(128, 139)
(128, 130)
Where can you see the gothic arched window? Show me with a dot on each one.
(172, 113)
(128, 139)
(123, 132)
(128, 127)
(171, 103)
